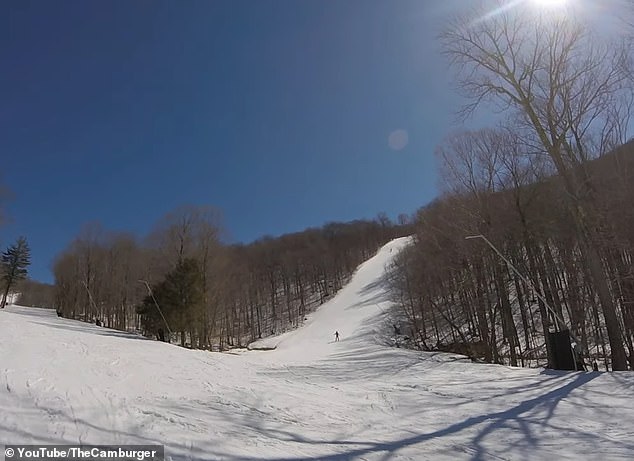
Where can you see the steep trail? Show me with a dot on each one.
(355, 311)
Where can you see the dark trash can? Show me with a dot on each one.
(561, 348)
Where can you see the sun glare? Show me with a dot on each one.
(551, 4)
(559, 6)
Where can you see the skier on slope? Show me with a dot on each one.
(336, 336)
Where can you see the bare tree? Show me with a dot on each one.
(565, 88)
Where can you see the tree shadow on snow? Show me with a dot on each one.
(527, 417)
(379, 289)
(48, 318)
(89, 328)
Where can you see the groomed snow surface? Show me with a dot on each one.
(64, 381)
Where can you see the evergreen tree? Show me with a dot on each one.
(180, 297)
(183, 296)
(151, 319)
(13, 266)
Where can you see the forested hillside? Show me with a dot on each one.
(210, 295)
(35, 294)
(458, 294)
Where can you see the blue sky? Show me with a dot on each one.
(276, 112)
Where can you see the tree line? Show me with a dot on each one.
(35, 294)
(551, 186)
(182, 283)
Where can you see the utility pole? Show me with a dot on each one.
(149, 289)
(92, 300)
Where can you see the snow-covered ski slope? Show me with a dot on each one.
(63, 381)
(356, 312)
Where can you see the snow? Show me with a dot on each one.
(11, 297)
(63, 381)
